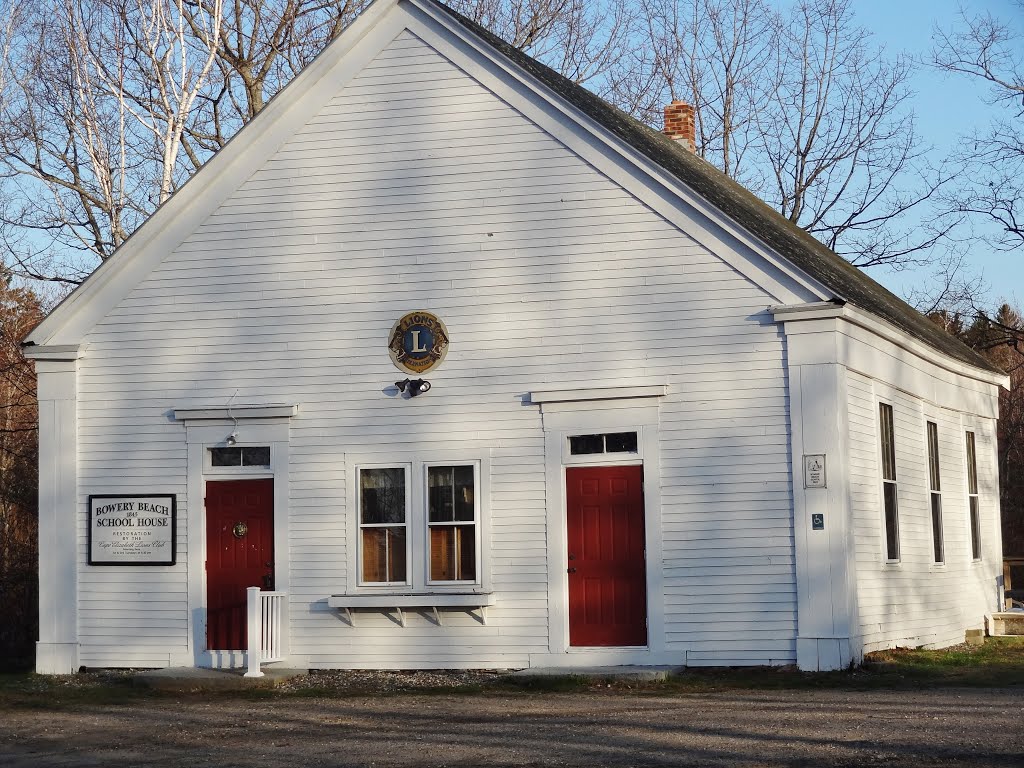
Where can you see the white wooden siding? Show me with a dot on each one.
(916, 602)
(416, 188)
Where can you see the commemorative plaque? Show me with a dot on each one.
(418, 342)
(132, 529)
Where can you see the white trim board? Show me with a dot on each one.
(885, 330)
(539, 396)
(53, 352)
(239, 412)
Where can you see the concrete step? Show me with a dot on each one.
(193, 679)
(1006, 623)
(636, 674)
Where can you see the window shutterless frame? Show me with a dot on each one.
(935, 492)
(452, 549)
(973, 498)
(384, 511)
(890, 496)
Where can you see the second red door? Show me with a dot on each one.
(606, 557)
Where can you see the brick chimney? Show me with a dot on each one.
(679, 124)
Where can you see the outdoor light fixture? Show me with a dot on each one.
(413, 386)
(232, 439)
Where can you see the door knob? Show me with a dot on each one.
(571, 570)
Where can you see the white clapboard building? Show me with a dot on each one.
(464, 368)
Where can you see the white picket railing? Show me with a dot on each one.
(266, 619)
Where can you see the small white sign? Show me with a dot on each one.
(132, 530)
(814, 470)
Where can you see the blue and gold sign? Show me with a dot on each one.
(419, 341)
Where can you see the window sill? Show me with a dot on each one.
(398, 602)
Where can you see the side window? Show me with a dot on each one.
(383, 525)
(889, 494)
(452, 523)
(934, 484)
(972, 497)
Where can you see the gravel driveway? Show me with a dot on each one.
(963, 727)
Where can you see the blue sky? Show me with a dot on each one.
(946, 107)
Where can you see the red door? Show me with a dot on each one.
(607, 574)
(239, 554)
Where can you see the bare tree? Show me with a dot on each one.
(96, 97)
(841, 144)
(260, 46)
(581, 39)
(953, 288)
(72, 190)
(107, 106)
(149, 64)
(713, 54)
(803, 109)
(990, 51)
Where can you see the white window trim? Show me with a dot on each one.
(358, 515)
(475, 582)
(965, 427)
(883, 538)
(932, 418)
(417, 563)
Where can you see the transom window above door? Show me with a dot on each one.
(607, 442)
(240, 456)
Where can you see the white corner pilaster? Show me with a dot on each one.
(828, 630)
(57, 649)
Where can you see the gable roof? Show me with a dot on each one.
(165, 228)
(790, 241)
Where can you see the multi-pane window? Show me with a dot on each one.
(889, 495)
(972, 497)
(240, 456)
(383, 525)
(934, 484)
(418, 524)
(451, 521)
(611, 442)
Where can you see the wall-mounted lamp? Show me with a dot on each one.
(413, 386)
(233, 437)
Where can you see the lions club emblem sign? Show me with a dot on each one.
(419, 341)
